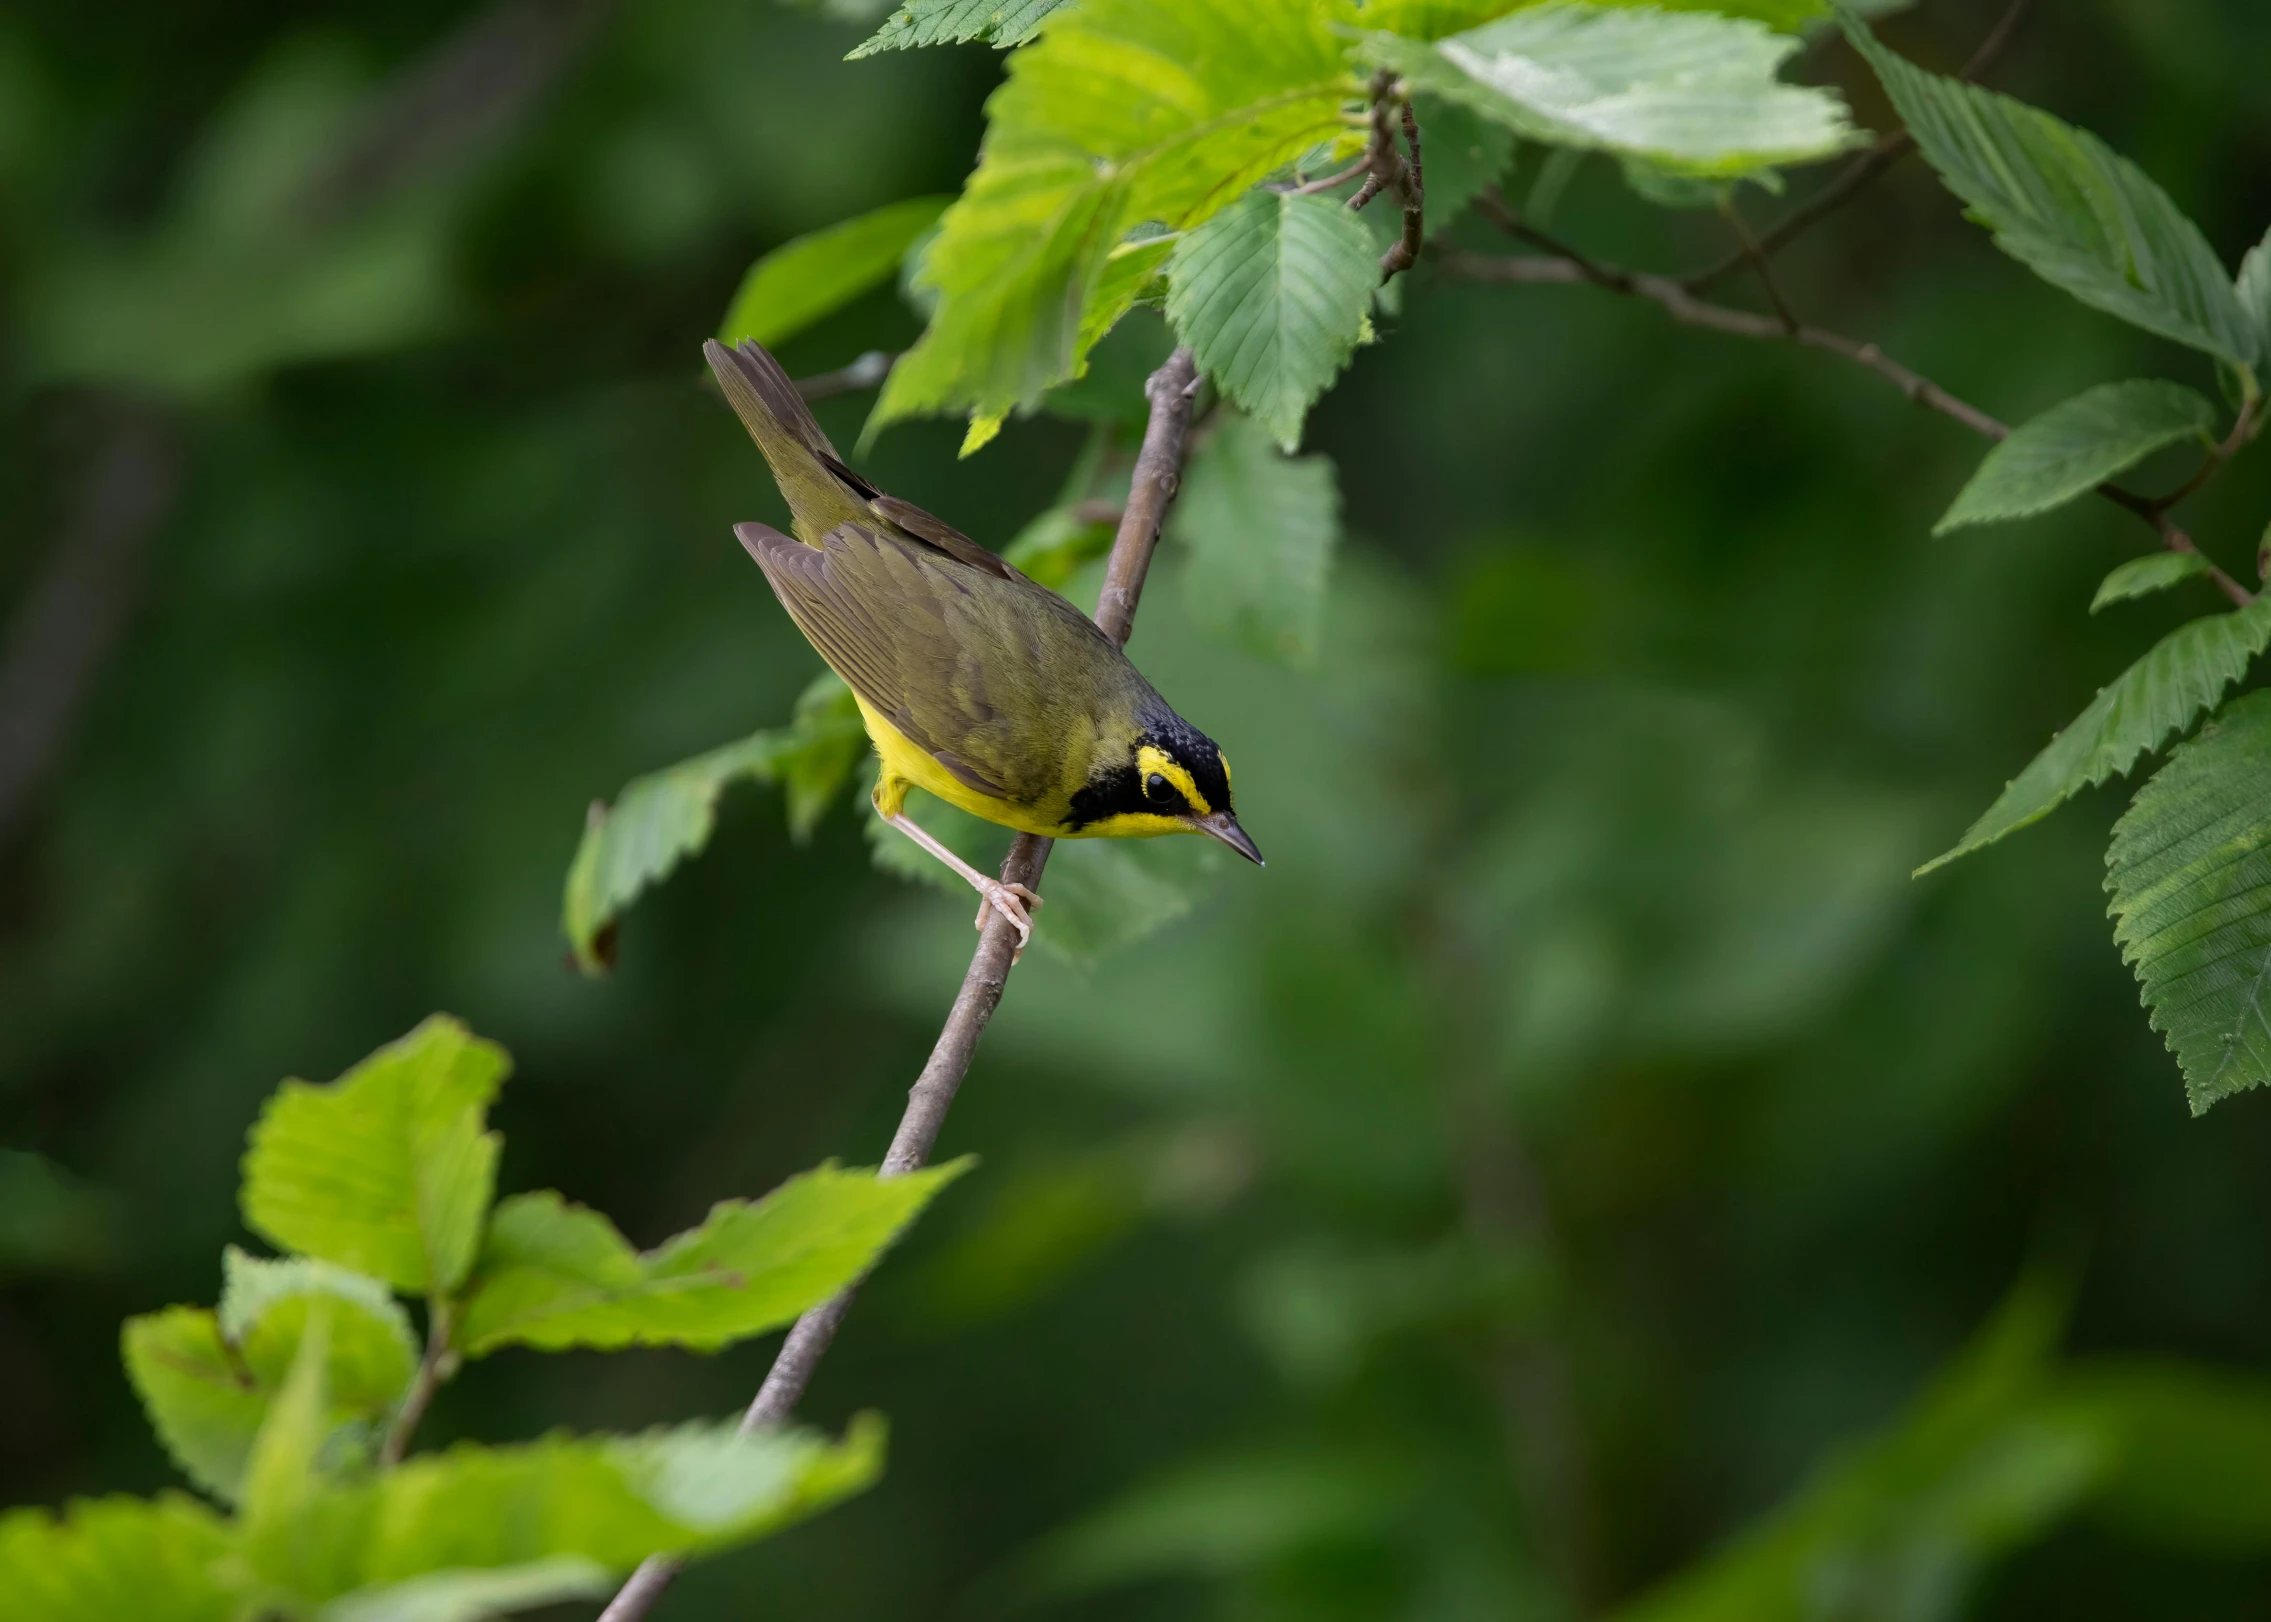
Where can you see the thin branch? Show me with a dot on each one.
(436, 1366)
(1411, 180)
(1158, 471)
(1558, 265)
(1887, 150)
(864, 373)
(1761, 267)
(1333, 182)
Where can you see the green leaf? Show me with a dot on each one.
(1271, 295)
(472, 1596)
(662, 818)
(1897, 1527)
(2190, 873)
(1432, 19)
(1125, 114)
(264, 1311)
(299, 1531)
(2076, 446)
(1692, 92)
(2190, 1451)
(2069, 208)
(387, 1170)
(1003, 23)
(554, 1275)
(1262, 529)
(1463, 152)
(2139, 577)
(116, 1560)
(2185, 673)
(821, 272)
(2253, 289)
(1057, 544)
(205, 1405)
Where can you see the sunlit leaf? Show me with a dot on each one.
(2190, 874)
(2186, 672)
(2064, 204)
(2140, 577)
(1692, 92)
(555, 1275)
(953, 22)
(821, 272)
(387, 1170)
(2076, 446)
(473, 1596)
(1125, 114)
(662, 818)
(1262, 529)
(205, 1405)
(117, 1560)
(1271, 295)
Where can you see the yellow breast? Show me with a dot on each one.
(905, 765)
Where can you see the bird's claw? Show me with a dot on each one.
(1011, 901)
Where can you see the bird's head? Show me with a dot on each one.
(1172, 778)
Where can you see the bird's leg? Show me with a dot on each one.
(1010, 900)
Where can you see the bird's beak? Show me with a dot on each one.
(1223, 826)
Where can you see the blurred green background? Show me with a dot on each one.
(1580, 1131)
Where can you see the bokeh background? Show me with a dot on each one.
(1581, 1131)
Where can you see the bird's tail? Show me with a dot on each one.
(821, 491)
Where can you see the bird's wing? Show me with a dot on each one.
(970, 666)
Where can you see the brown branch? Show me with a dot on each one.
(68, 622)
(436, 1366)
(1558, 265)
(1887, 150)
(1403, 253)
(1158, 471)
(864, 373)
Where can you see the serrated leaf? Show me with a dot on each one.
(2253, 289)
(819, 273)
(554, 1275)
(205, 1405)
(1463, 152)
(662, 818)
(298, 1530)
(1002, 23)
(2139, 577)
(115, 1559)
(2076, 446)
(1432, 19)
(1693, 92)
(2186, 672)
(1125, 114)
(2069, 208)
(387, 1170)
(472, 1596)
(1271, 295)
(2190, 874)
(1262, 529)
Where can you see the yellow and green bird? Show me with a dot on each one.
(977, 684)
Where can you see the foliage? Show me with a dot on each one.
(2072, 448)
(814, 276)
(952, 22)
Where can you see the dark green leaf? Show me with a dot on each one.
(1694, 93)
(1463, 153)
(821, 272)
(555, 1275)
(2076, 213)
(1003, 23)
(2254, 292)
(2139, 577)
(2074, 447)
(1262, 529)
(387, 1170)
(2184, 674)
(2190, 874)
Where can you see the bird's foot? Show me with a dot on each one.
(1011, 901)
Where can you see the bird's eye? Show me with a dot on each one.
(1156, 786)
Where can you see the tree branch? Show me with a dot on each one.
(1158, 471)
(1565, 266)
(1888, 150)
(437, 1365)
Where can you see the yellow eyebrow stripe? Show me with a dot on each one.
(1151, 758)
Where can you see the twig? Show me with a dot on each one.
(1558, 265)
(863, 373)
(1333, 182)
(1760, 266)
(437, 1365)
(1887, 150)
(69, 620)
(1158, 470)
(1403, 253)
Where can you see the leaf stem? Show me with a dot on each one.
(1158, 471)
(437, 1364)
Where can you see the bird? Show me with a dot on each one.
(976, 683)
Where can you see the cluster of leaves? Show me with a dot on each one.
(1146, 179)
(2090, 222)
(290, 1404)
